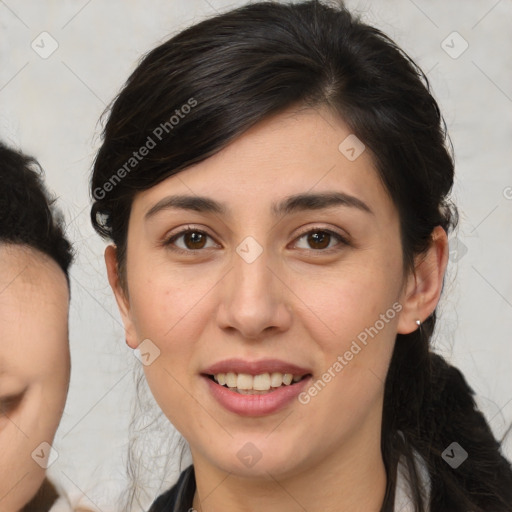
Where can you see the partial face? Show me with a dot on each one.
(311, 293)
(34, 368)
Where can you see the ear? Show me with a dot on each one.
(424, 285)
(122, 300)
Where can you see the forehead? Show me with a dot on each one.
(24, 266)
(34, 301)
(288, 154)
(31, 283)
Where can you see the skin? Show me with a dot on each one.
(34, 366)
(297, 302)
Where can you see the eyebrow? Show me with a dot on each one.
(290, 204)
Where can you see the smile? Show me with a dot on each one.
(247, 384)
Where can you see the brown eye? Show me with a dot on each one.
(191, 240)
(194, 240)
(320, 239)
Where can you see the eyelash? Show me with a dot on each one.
(190, 229)
(8, 403)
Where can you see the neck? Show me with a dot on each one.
(351, 478)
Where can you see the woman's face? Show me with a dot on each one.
(34, 368)
(314, 290)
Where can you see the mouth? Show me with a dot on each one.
(261, 384)
(255, 388)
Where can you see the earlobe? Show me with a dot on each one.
(122, 300)
(423, 289)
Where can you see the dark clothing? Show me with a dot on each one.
(180, 497)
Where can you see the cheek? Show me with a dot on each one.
(352, 315)
(41, 411)
(164, 302)
(171, 310)
(355, 327)
(155, 309)
(20, 474)
(46, 369)
(339, 305)
(20, 480)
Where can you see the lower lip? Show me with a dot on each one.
(256, 405)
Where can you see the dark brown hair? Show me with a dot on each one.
(237, 68)
(28, 215)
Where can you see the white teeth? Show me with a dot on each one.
(244, 381)
(276, 379)
(287, 378)
(231, 380)
(261, 382)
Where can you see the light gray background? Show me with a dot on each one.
(50, 108)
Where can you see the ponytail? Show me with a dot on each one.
(428, 405)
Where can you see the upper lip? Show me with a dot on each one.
(255, 367)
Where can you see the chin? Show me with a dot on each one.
(258, 456)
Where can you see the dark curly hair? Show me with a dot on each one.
(27, 212)
(239, 68)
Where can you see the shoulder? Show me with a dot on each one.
(178, 498)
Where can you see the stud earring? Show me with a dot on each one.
(418, 322)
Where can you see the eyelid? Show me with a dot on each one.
(9, 402)
(169, 239)
(345, 237)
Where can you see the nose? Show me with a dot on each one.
(254, 299)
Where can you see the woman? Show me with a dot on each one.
(34, 358)
(275, 181)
